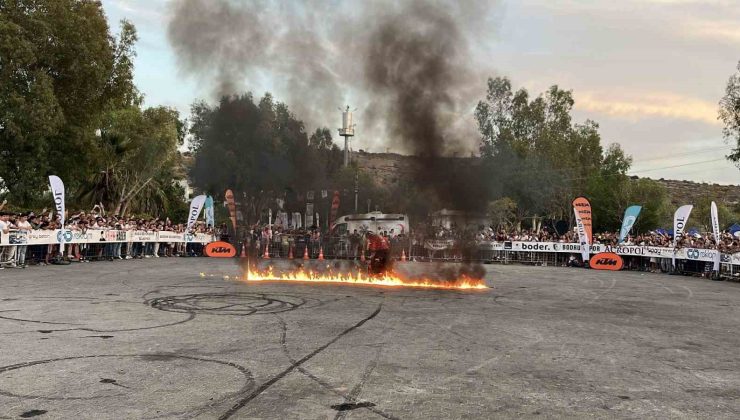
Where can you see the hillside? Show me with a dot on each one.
(390, 167)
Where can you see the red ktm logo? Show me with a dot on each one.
(220, 249)
(606, 261)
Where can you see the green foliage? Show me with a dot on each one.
(701, 213)
(540, 160)
(535, 149)
(138, 160)
(260, 150)
(60, 72)
(729, 114)
(539, 156)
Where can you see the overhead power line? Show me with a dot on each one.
(679, 166)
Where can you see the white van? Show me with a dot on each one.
(374, 221)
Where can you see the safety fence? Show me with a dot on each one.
(18, 248)
(636, 257)
(44, 247)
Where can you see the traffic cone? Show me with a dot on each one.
(321, 253)
(403, 255)
(244, 250)
(267, 252)
(305, 253)
(290, 253)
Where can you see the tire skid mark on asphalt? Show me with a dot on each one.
(249, 379)
(329, 387)
(352, 397)
(266, 385)
(190, 317)
(608, 289)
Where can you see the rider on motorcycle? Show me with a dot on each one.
(379, 248)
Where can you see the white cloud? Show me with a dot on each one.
(642, 105)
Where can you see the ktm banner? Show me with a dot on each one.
(334, 209)
(606, 261)
(582, 210)
(232, 207)
(220, 249)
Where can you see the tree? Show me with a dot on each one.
(532, 146)
(729, 114)
(656, 206)
(609, 189)
(260, 150)
(60, 71)
(701, 213)
(138, 161)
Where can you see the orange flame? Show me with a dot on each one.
(388, 279)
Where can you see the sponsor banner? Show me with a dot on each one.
(334, 209)
(232, 207)
(439, 244)
(680, 219)
(202, 238)
(143, 236)
(715, 232)
(708, 255)
(309, 215)
(220, 249)
(195, 207)
(582, 210)
(54, 237)
(57, 193)
(630, 216)
(606, 261)
(116, 236)
(208, 212)
(165, 236)
(19, 237)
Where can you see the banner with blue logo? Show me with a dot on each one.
(209, 211)
(630, 216)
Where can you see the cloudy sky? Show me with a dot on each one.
(650, 72)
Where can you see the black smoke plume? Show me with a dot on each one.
(317, 55)
(408, 67)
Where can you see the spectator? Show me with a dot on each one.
(24, 226)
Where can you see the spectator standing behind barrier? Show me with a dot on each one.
(7, 253)
(4, 231)
(24, 226)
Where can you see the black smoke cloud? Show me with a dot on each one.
(407, 66)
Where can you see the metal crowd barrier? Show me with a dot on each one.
(299, 247)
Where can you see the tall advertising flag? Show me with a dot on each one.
(209, 211)
(334, 210)
(680, 219)
(715, 231)
(57, 192)
(232, 207)
(582, 210)
(630, 216)
(195, 207)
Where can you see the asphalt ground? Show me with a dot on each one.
(153, 339)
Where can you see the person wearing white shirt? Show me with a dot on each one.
(20, 253)
(7, 252)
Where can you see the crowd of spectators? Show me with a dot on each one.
(96, 219)
(729, 243)
(283, 241)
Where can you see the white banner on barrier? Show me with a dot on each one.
(54, 237)
(627, 250)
